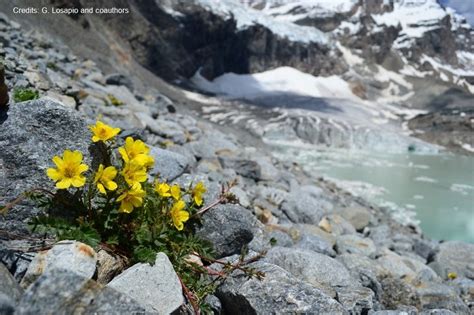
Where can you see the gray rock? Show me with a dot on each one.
(304, 207)
(365, 270)
(164, 128)
(31, 135)
(314, 230)
(7, 304)
(440, 296)
(316, 244)
(395, 293)
(425, 248)
(356, 300)
(119, 79)
(336, 225)
(210, 143)
(315, 268)
(454, 256)
(108, 266)
(228, 227)
(401, 267)
(168, 165)
(17, 262)
(381, 235)
(9, 288)
(73, 256)
(278, 292)
(63, 292)
(157, 288)
(437, 312)
(359, 217)
(279, 238)
(214, 303)
(241, 195)
(243, 167)
(213, 189)
(355, 244)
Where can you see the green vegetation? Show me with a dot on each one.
(24, 94)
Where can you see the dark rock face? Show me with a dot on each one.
(448, 127)
(228, 228)
(440, 42)
(3, 88)
(177, 46)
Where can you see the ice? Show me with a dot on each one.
(245, 17)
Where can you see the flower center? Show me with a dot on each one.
(69, 172)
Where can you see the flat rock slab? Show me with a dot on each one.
(157, 288)
(64, 292)
(279, 292)
(76, 257)
(315, 268)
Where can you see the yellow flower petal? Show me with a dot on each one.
(110, 185)
(53, 174)
(58, 161)
(64, 184)
(101, 188)
(176, 192)
(78, 181)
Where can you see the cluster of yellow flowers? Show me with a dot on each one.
(136, 163)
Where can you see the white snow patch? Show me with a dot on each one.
(294, 10)
(467, 147)
(246, 16)
(414, 16)
(279, 80)
(425, 179)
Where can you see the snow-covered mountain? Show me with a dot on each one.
(399, 55)
(388, 59)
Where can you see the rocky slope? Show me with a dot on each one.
(334, 253)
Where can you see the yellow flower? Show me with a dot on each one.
(103, 132)
(163, 189)
(104, 178)
(69, 170)
(179, 215)
(136, 150)
(131, 198)
(134, 172)
(197, 193)
(176, 192)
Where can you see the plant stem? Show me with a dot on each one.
(190, 296)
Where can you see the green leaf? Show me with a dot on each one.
(144, 254)
(113, 240)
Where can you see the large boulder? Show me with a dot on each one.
(32, 133)
(278, 292)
